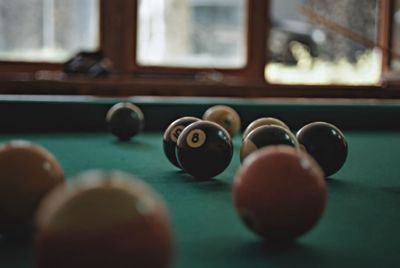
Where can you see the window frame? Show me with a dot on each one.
(118, 41)
(389, 77)
(125, 59)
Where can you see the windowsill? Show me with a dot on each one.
(58, 83)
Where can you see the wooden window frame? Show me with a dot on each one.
(118, 41)
(124, 57)
(390, 77)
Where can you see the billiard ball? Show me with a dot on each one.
(204, 149)
(171, 135)
(125, 120)
(279, 193)
(224, 116)
(326, 143)
(264, 121)
(103, 219)
(27, 172)
(266, 136)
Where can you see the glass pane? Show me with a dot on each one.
(396, 37)
(323, 42)
(192, 33)
(47, 30)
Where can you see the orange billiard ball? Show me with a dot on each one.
(104, 219)
(279, 193)
(224, 116)
(27, 172)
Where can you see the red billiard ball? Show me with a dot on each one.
(171, 135)
(204, 149)
(279, 193)
(27, 172)
(224, 116)
(104, 219)
(326, 143)
(264, 136)
(125, 120)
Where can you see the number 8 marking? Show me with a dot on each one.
(196, 138)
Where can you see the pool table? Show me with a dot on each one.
(359, 228)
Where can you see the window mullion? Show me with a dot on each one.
(117, 28)
(257, 37)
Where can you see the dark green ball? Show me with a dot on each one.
(125, 120)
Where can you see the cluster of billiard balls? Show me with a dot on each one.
(202, 148)
(280, 189)
(111, 219)
(323, 141)
(102, 219)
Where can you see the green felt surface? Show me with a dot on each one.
(360, 227)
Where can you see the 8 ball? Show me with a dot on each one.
(204, 149)
(171, 135)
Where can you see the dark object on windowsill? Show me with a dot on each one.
(90, 63)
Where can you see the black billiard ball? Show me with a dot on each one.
(326, 143)
(263, 121)
(224, 116)
(264, 136)
(125, 120)
(103, 219)
(204, 149)
(279, 193)
(171, 135)
(28, 171)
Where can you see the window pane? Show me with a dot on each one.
(47, 30)
(396, 37)
(328, 42)
(192, 33)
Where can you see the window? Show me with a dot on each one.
(395, 64)
(47, 30)
(323, 42)
(252, 48)
(192, 33)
